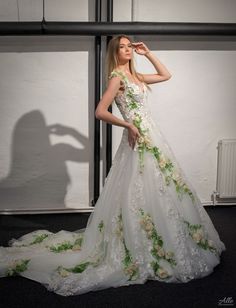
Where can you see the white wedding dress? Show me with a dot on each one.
(148, 222)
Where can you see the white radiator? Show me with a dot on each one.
(226, 169)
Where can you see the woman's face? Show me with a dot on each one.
(125, 51)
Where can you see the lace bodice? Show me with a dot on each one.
(132, 103)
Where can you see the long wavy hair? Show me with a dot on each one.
(112, 57)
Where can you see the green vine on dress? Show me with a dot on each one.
(130, 266)
(39, 238)
(157, 251)
(145, 144)
(17, 266)
(67, 245)
(164, 163)
(101, 226)
(81, 267)
(197, 234)
(60, 247)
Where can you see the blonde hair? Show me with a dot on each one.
(112, 57)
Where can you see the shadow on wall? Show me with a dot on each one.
(38, 176)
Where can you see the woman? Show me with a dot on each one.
(148, 222)
(120, 58)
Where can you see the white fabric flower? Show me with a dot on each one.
(169, 255)
(210, 243)
(161, 252)
(162, 273)
(198, 236)
(63, 272)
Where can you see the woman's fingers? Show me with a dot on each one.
(133, 135)
(137, 43)
(132, 142)
(140, 48)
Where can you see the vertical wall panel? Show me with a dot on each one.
(46, 153)
(59, 10)
(185, 10)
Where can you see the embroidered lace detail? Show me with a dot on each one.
(197, 234)
(133, 109)
(157, 251)
(16, 267)
(130, 267)
(94, 259)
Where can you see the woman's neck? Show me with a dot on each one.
(124, 68)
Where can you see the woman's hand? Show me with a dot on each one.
(133, 135)
(60, 130)
(140, 48)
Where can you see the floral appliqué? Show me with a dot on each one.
(157, 251)
(79, 268)
(197, 234)
(164, 163)
(130, 267)
(144, 142)
(17, 266)
(67, 245)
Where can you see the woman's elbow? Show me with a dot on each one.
(97, 114)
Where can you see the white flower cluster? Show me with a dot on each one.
(147, 224)
(63, 272)
(162, 273)
(197, 234)
(17, 266)
(119, 228)
(131, 269)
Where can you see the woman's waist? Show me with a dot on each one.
(142, 120)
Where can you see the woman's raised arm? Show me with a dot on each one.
(162, 72)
